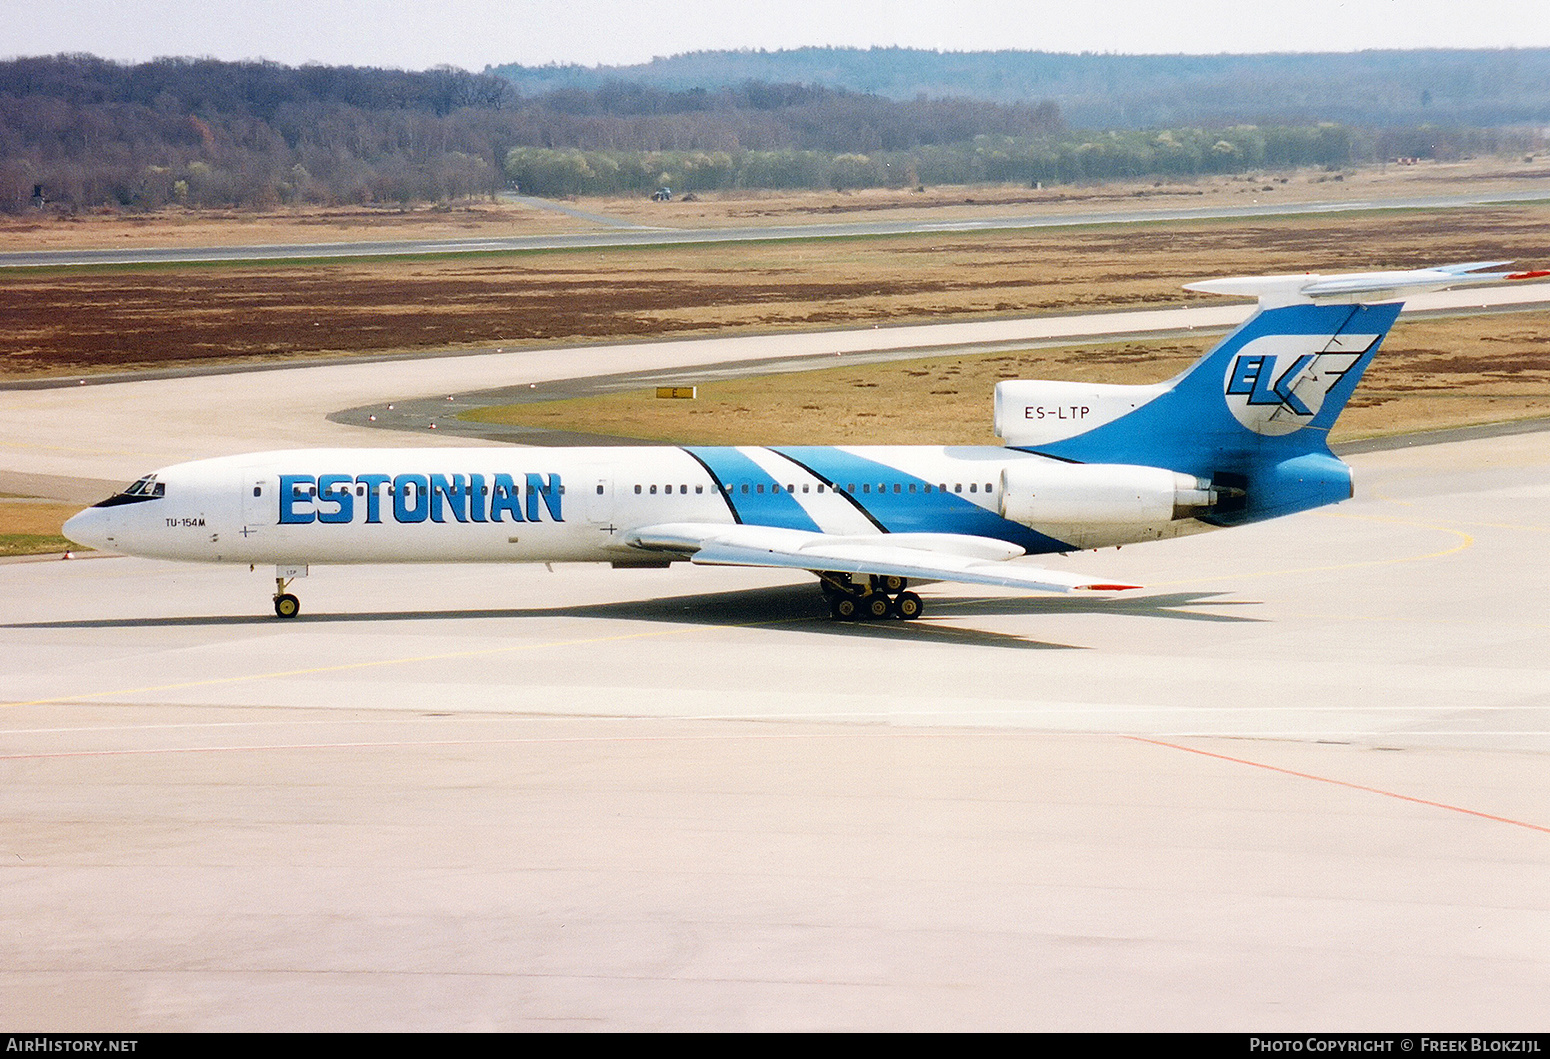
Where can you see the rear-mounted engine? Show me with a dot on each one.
(1089, 504)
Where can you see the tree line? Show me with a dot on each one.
(1054, 158)
(81, 132)
(1375, 88)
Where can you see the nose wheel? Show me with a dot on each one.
(876, 599)
(285, 604)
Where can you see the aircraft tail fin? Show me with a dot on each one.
(1253, 415)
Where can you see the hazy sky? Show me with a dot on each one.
(416, 34)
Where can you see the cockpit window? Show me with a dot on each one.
(147, 488)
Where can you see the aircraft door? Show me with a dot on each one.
(597, 496)
(260, 495)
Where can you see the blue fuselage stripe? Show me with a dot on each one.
(755, 497)
(720, 486)
(912, 509)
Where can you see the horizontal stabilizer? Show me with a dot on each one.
(1357, 287)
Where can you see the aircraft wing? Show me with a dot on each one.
(927, 556)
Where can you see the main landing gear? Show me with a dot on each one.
(873, 599)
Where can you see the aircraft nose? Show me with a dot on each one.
(89, 528)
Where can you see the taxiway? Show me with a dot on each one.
(1299, 782)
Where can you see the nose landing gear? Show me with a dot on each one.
(873, 599)
(285, 604)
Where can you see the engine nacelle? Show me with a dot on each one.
(1091, 505)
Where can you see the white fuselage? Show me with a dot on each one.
(551, 505)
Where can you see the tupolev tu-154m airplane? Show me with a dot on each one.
(1239, 437)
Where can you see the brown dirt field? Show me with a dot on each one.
(175, 227)
(118, 230)
(68, 322)
(737, 208)
(1429, 375)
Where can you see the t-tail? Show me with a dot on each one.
(1251, 419)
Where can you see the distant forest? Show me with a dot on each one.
(81, 132)
(1369, 89)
